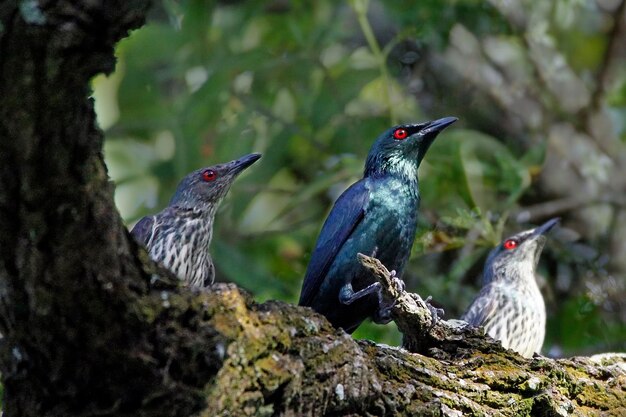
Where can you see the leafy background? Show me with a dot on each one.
(539, 88)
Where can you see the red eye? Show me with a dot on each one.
(400, 134)
(510, 244)
(209, 175)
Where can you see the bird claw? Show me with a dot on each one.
(435, 312)
(347, 296)
(397, 282)
(383, 314)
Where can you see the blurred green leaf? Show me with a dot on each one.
(579, 323)
(235, 267)
(495, 178)
(468, 169)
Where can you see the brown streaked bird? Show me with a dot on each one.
(510, 306)
(179, 236)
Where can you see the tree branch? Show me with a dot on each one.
(421, 333)
(287, 360)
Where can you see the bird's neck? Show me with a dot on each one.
(204, 212)
(398, 167)
(520, 273)
(184, 243)
(200, 219)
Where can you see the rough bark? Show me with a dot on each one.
(86, 327)
(91, 327)
(283, 360)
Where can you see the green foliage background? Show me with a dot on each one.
(310, 85)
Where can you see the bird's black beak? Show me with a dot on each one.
(429, 132)
(538, 237)
(546, 227)
(433, 128)
(244, 162)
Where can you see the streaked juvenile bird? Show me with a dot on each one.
(510, 306)
(179, 236)
(376, 216)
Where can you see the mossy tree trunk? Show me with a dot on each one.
(91, 327)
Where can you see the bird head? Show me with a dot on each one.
(400, 150)
(517, 256)
(205, 187)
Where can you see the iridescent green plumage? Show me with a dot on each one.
(376, 216)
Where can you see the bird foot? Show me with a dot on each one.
(398, 283)
(435, 312)
(383, 314)
(347, 295)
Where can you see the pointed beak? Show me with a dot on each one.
(546, 227)
(242, 163)
(436, 126)
(538, 238)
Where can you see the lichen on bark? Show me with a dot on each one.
(286, 360)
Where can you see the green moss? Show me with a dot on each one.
(276, 346)
(595, 396)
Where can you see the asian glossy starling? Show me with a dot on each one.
(376, 216)
(510, 306)
(179, 236)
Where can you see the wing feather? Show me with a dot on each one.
(345, 216)
(484, 307)
(143, 230)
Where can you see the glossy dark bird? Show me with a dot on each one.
(376, 216)
(510, 306)
(179, 236)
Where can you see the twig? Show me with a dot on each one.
(422, 334)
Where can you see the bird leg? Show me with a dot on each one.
(347, 295)
(400, 285)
